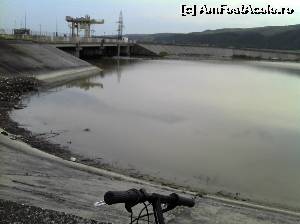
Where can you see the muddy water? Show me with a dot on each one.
(231, 126)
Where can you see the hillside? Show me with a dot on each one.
(271, 37)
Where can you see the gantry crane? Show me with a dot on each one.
(82, 23)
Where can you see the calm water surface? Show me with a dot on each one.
(232, 126)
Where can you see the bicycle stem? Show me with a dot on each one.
(158, 212)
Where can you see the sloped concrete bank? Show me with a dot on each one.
(45, 62)
(25, 57)
(200, 52)
(36, 178)
(57, 78)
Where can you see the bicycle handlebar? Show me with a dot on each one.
(183, 201)
(130, 196)
(134, 196)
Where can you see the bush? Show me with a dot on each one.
(163, 54)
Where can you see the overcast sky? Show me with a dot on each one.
(140, 16)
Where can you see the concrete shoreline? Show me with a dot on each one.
(202, 52)
(60, 77)
(9, 142)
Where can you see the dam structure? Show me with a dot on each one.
(89, 45)
(83, 47)
(57, 58)
(79, 46)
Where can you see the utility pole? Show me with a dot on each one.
(120, 26)
(40, 29)
(56, 34)
(25, 20)
(120, 32)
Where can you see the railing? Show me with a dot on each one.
(55, 38)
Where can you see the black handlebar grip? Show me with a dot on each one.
(130, 196)
(182, 201)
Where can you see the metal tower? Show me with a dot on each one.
(120, 26)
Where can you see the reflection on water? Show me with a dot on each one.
(114, 67)
(288, 68)
(232, 126)
(85, 84)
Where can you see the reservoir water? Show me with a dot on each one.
(219, 126)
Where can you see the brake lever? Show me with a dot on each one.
(129, 206)
(169, 207)
(99, 203)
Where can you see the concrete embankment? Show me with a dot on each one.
(214, 52)
(43, 61)
(36, 178)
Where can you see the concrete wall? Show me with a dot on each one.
(142, 50)
(96, 51)
(89, 52)
(211, 52)
(30, 58)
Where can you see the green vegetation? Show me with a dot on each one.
(12, 37)
(245, 57)
(272, 37)
(163, 54)
(6, 37)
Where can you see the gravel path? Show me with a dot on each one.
(11, 212)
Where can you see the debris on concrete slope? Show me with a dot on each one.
(12, 88)
(11, 212)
